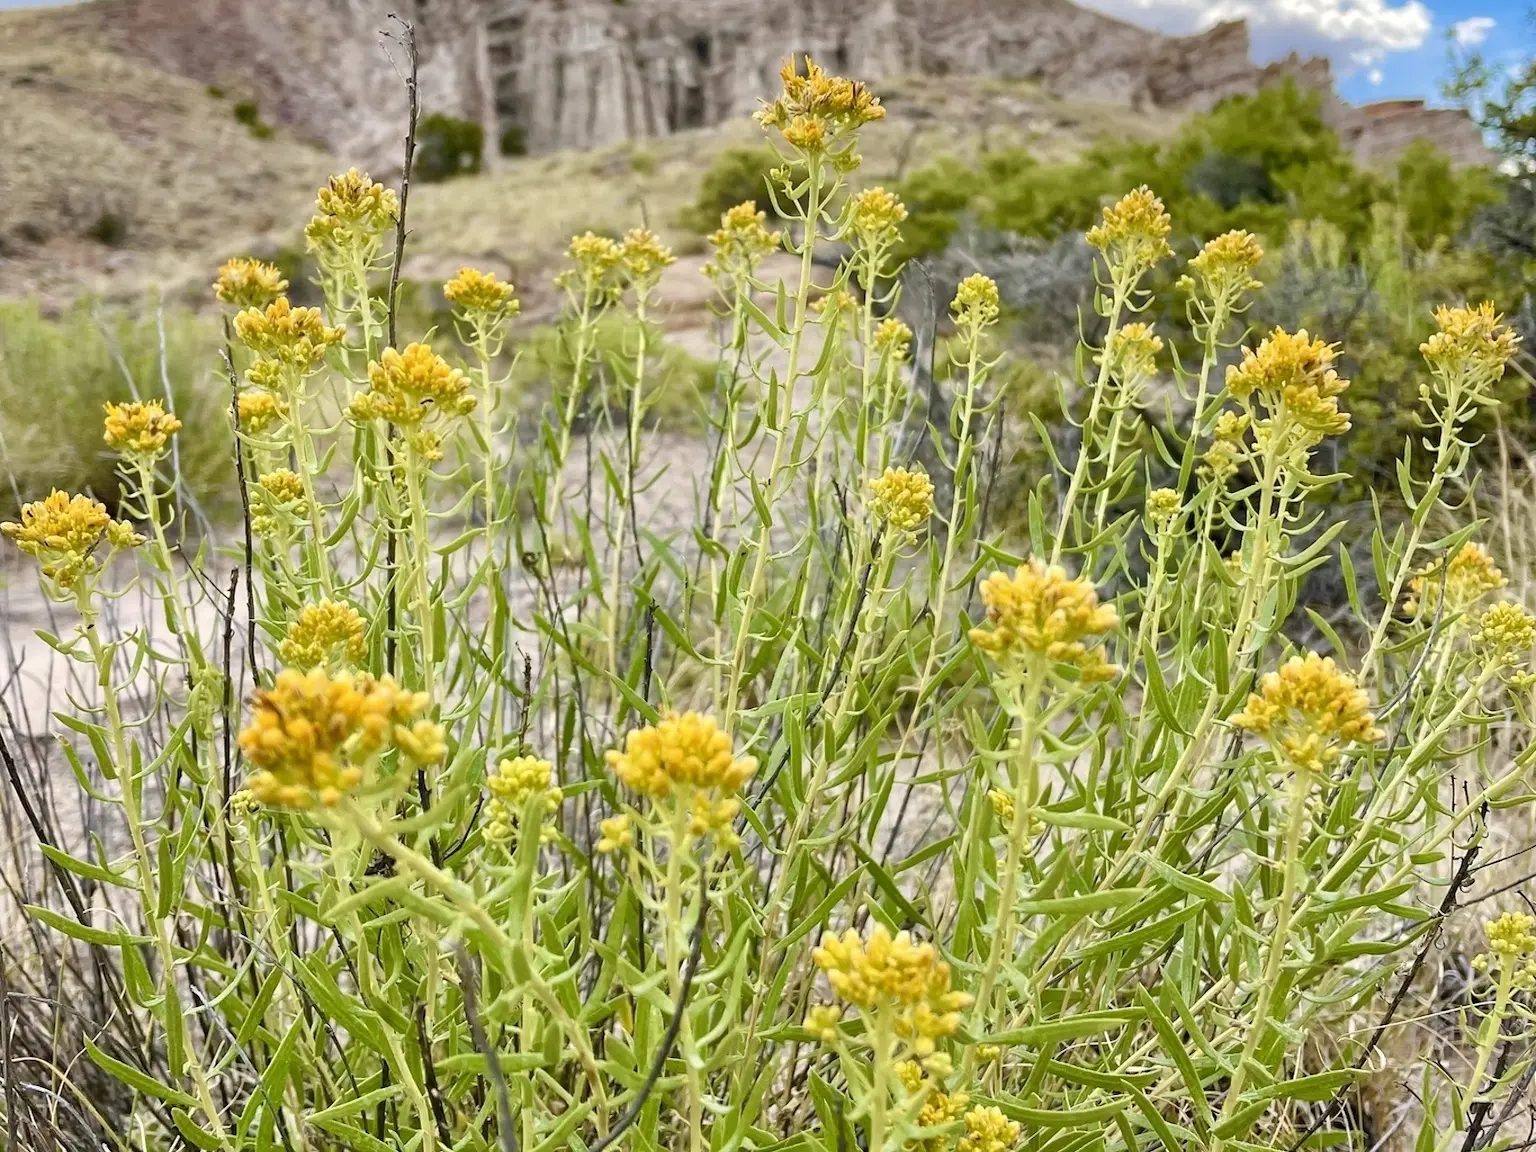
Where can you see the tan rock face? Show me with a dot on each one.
(544, 74)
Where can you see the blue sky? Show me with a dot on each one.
(1381, 49)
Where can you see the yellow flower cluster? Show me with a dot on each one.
(139, 429)
(354, 210)
(643, 258)
(1506, 633)
(1133, 353)
(687, 751)
(1039, 612)
(1133, 234)
(815, 110)
(1294, 375)
(894, 337)
(876, 217)
(741, 241)
(1224, 456)
(593, 260)
(481, 295)
(1225, 266)
(247, 283)
(277, 501)
(1002, 806)
(1308, 710)
(259, 410)
(295, 338)
(514, 783)
(62, 533)
(976, 303)
(939, 1108)
(1163, 508)
(313, 735)
(888, 971)
(901, 499)
(617, 833)
(988, 1130)
(325, 634)
(1470, 575)
(1472, 343)
(1512, 934)
(407, 388)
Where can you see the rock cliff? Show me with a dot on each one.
(545, 74)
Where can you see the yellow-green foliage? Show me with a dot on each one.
(820, 813)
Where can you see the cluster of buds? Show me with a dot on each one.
(63, 533)
(901, 500)
(976, 305)
(277, 503)
(1164, 507)
(687, 760)
(139, 431)
(521, 787)
(1308, 711)
(937, 1110)
(741, 242)
(292, 342)
(1512, 944)
(1225, 454)
(247, 283)
(313, 736)
(1292, 374)
(353, 212)
(1467, 355)
(1467, 577)
(414, 390)
(894, 976)
(1040, 613)
(481, 298)
(260, 411)
(1133, 235)
(1132, 356)
(327, 634)
(1505, 635)
(592, 278)
(642, 260)
(1223, 271)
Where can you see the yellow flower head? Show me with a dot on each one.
(1163, 508)
(1294, 374)
(742, 240)
(481, 294)
(325, 634)
(976, 303)
(618, 833)
(139, 429)
(62, 532)
(247, 283)
(901, 499)
(259, 410)
(643, 258)
(515, 783)
(891, 971)
(876, 217)
(1308, 710)
(313, 735)
(687, 751)
(354, 210)
(277, 501)
(594, 261)
(815, 111)
(1133, 235)
(939, 1109)
(1512, 934)
(295, 338)
(988, 1130)
(1472, 343)
(408, 387)
(1506, 633)
(1002, 805)
(1225, 266)
(1133, 353)
(1470, 575)
(1040, 612)
(894, 338)
(1224, 456)
(822, 1021)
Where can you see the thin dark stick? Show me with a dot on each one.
(469, 984)
(413, 58)
(245, 512)
(429, 1072)
(674, 1026)
(1447, 906)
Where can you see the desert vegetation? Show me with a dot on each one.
(866, 761)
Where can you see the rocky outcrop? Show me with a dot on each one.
(544, 74)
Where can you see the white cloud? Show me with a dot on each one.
(1472, 31)
(1352, 32)
(1375, 76)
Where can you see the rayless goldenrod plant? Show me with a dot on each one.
(513, 808)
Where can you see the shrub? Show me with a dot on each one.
(735, 175)
(791, 804)
(447, 146)
(248, 112)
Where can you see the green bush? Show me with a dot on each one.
(735, 175)
(56, 373)
(447, 146)
(248, 112)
